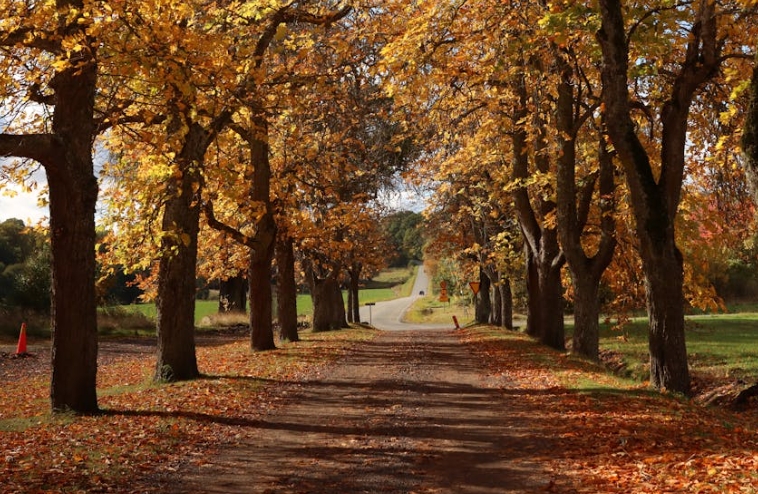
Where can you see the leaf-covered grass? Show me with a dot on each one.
(614, 435)
(144, 426)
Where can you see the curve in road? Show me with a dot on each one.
(388, 315)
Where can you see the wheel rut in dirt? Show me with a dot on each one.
(410, 411)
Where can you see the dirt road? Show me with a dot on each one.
(411, 411)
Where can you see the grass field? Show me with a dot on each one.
(429, 310)
(388, 285)
(718, 345)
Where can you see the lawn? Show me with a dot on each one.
(429, 310)
(387, 285)
(719, 345)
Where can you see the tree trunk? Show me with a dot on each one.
(176, 279)
(586, 338)
(533, 309)
(328, 305)
(354, 293)
(550, 295)
(286, 299)
(655, 201)
(483, 302)
(232, 295)
(573, 206)
(544, 258)
(261, 299)
(350, 303)
(750, 135)
(506, 295)
(665, 304)
(496, 317)
(66, 155)
(73, 194)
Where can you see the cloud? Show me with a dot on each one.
(23, 206)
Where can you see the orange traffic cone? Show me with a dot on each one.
(21, 348)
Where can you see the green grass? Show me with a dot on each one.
(429, 310)
(718, 345)
(387, 285)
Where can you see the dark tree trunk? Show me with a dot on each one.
(533, 308)
(573, 205)
(655, 202)
(545, 294)
(287, 290)
(176, 280)
(262, 255)
(506, 295)
(66, 155)
(232, 295)
(550, 294)
(586, 338)
(496, 317)
(175, 302)
(544, 258)
(350, 303)
(750, 134)
(261, 299)
(483, 307)
(328, 305)
(354, 309)
(73, 194)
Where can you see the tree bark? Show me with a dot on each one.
(573, 205)
(544, 258)
(73, 194)
(483, 307)
(328, 305)
(66, 155)
(286, 299)
(506, 295)
(655, 203)
(262, 255)
(750, 134)
(232, 295)
(261, 298)
(177, 269)
(353, 300)
(532, 290)
(496, 317)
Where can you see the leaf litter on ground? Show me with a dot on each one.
(146, 428)
(616, 435)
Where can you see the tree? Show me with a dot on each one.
(750, 134)
(52, 52)
(655, 186)
(405, 230)
(24, 267)
(253, 127)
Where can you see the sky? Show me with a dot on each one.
(23, 206)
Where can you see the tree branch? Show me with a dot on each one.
(39, 147)
(236, 235)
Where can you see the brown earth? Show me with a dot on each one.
(409, 412)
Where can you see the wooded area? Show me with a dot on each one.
(579, 152)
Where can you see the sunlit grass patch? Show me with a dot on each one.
(429, 310)
(719, 345)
